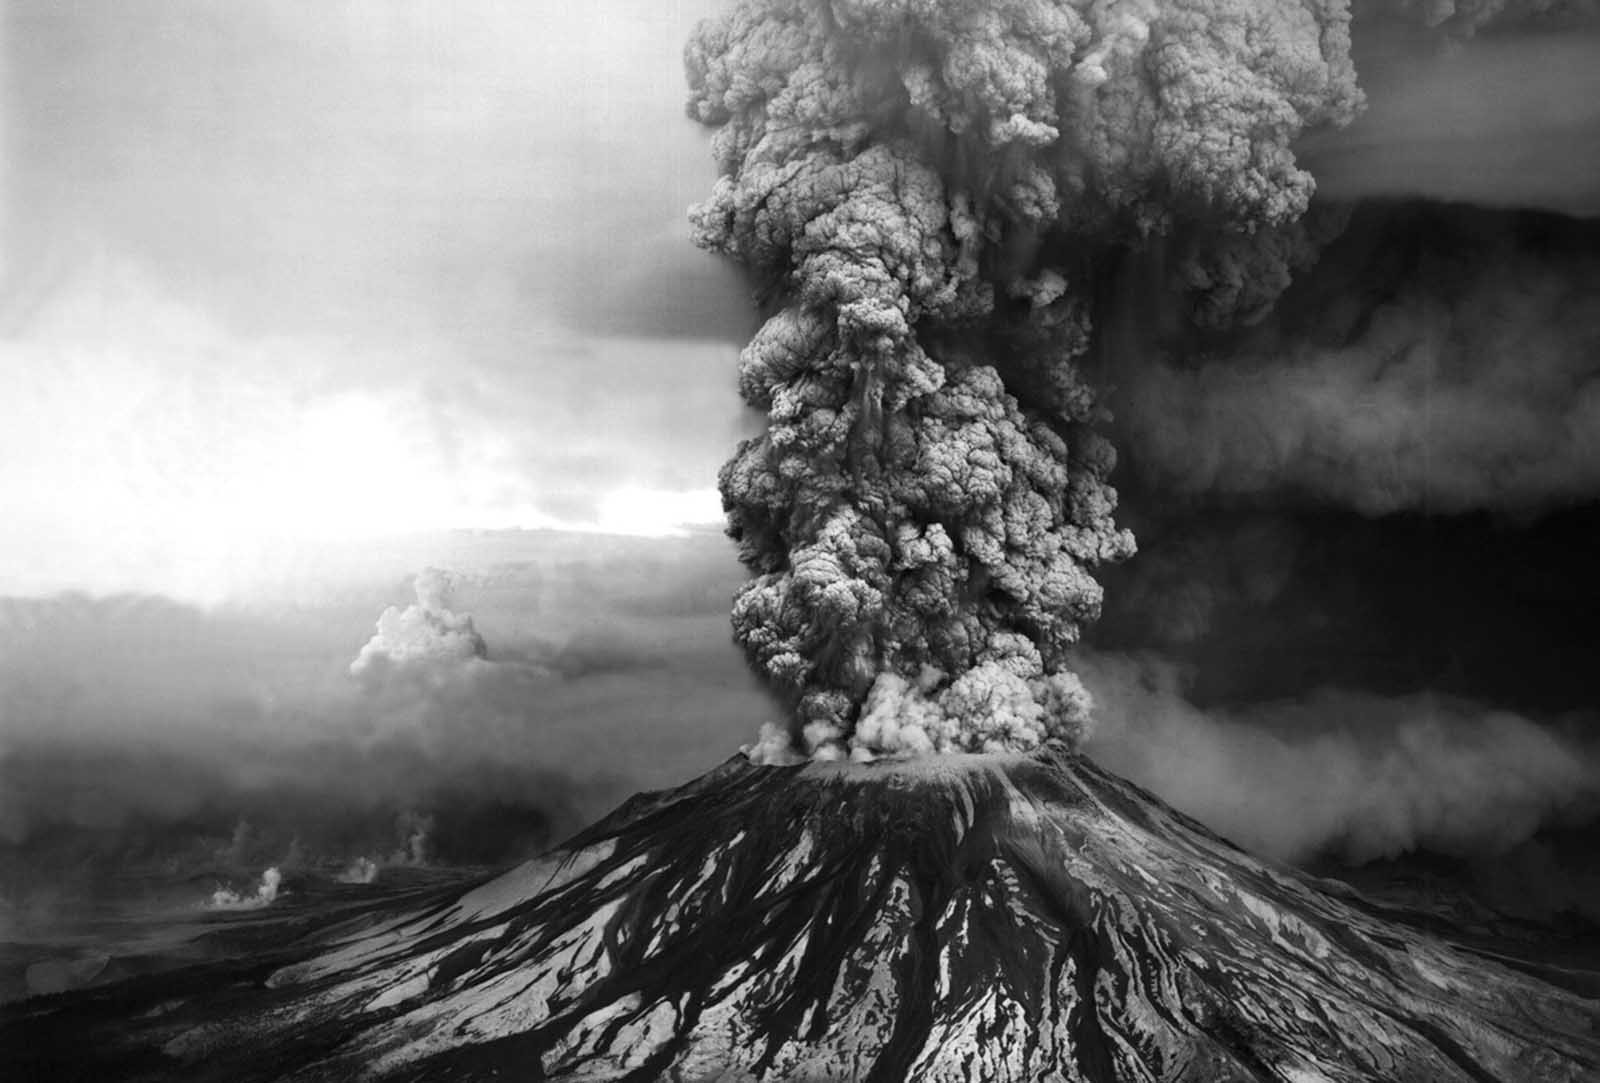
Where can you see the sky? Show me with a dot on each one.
(294, 274)
(299, 299)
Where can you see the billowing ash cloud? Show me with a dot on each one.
(930, 196)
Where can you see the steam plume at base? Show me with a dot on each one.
(1356, 774)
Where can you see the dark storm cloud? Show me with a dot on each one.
(1433, 359)
(1320, 682)
(1500, 121)
(1266, 604)
(1354, 773)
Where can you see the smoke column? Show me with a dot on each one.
(930, 197)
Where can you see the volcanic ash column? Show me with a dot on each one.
(927, 193)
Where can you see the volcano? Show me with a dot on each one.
(982, 917)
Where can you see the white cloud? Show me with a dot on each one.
(424, 641)
(652, 512)
(145, 446)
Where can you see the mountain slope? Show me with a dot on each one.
(960, 918)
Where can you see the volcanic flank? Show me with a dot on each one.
(990, 917)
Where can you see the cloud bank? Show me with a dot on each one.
(558, 675)
(1425, 363)
(1341, 771)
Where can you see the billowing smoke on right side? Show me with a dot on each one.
(1359, 626)
(1304, 297)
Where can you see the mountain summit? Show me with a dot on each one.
(972, 918)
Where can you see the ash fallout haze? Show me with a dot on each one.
(1158, 532)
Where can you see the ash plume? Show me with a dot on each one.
(929, 197)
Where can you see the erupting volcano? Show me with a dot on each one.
(973, 917)
(995, 244)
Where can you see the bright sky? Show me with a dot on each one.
(289, 276)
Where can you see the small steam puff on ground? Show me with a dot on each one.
(414, 830)
(363, 870)
(922, 191)
(265, 894)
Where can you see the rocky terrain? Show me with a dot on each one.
(959, 918)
